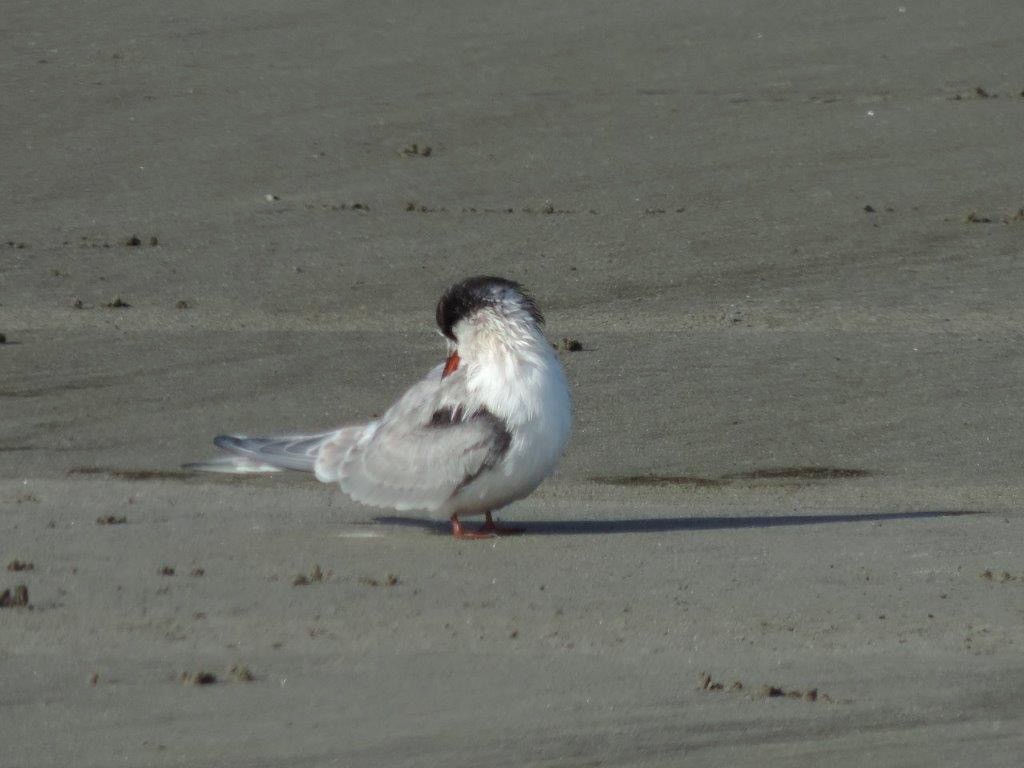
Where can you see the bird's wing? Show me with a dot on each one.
(423, 450)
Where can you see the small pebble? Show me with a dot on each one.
(198, 678)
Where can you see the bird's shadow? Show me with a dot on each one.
(671, 524)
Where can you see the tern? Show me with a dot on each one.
(480, 431)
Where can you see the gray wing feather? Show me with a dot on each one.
(422, 450)
(419, 467)
(297, 452)
(417, 456)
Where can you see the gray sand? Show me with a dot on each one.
(798, 433)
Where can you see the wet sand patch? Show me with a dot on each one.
(788, 474)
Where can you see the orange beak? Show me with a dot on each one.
(450, 365)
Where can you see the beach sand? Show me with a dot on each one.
(788, 528)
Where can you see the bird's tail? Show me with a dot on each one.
(264, 454)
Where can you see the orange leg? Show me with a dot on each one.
(488, 530)
(461, 533)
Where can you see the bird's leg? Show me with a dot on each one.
(461, 533)
(488, 530)
(498, 530)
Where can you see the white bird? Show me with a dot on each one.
(482, 430)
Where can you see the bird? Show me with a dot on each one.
(481, 430)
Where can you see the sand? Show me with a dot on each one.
(789, 241)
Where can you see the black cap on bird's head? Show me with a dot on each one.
(475, 293)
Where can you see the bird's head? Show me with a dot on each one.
(482, 314)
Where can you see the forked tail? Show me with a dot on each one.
(264, 454)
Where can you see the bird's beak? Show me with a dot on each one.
(450, 365)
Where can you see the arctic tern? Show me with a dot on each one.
(480, 431)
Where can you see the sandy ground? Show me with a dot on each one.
(789, 241)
